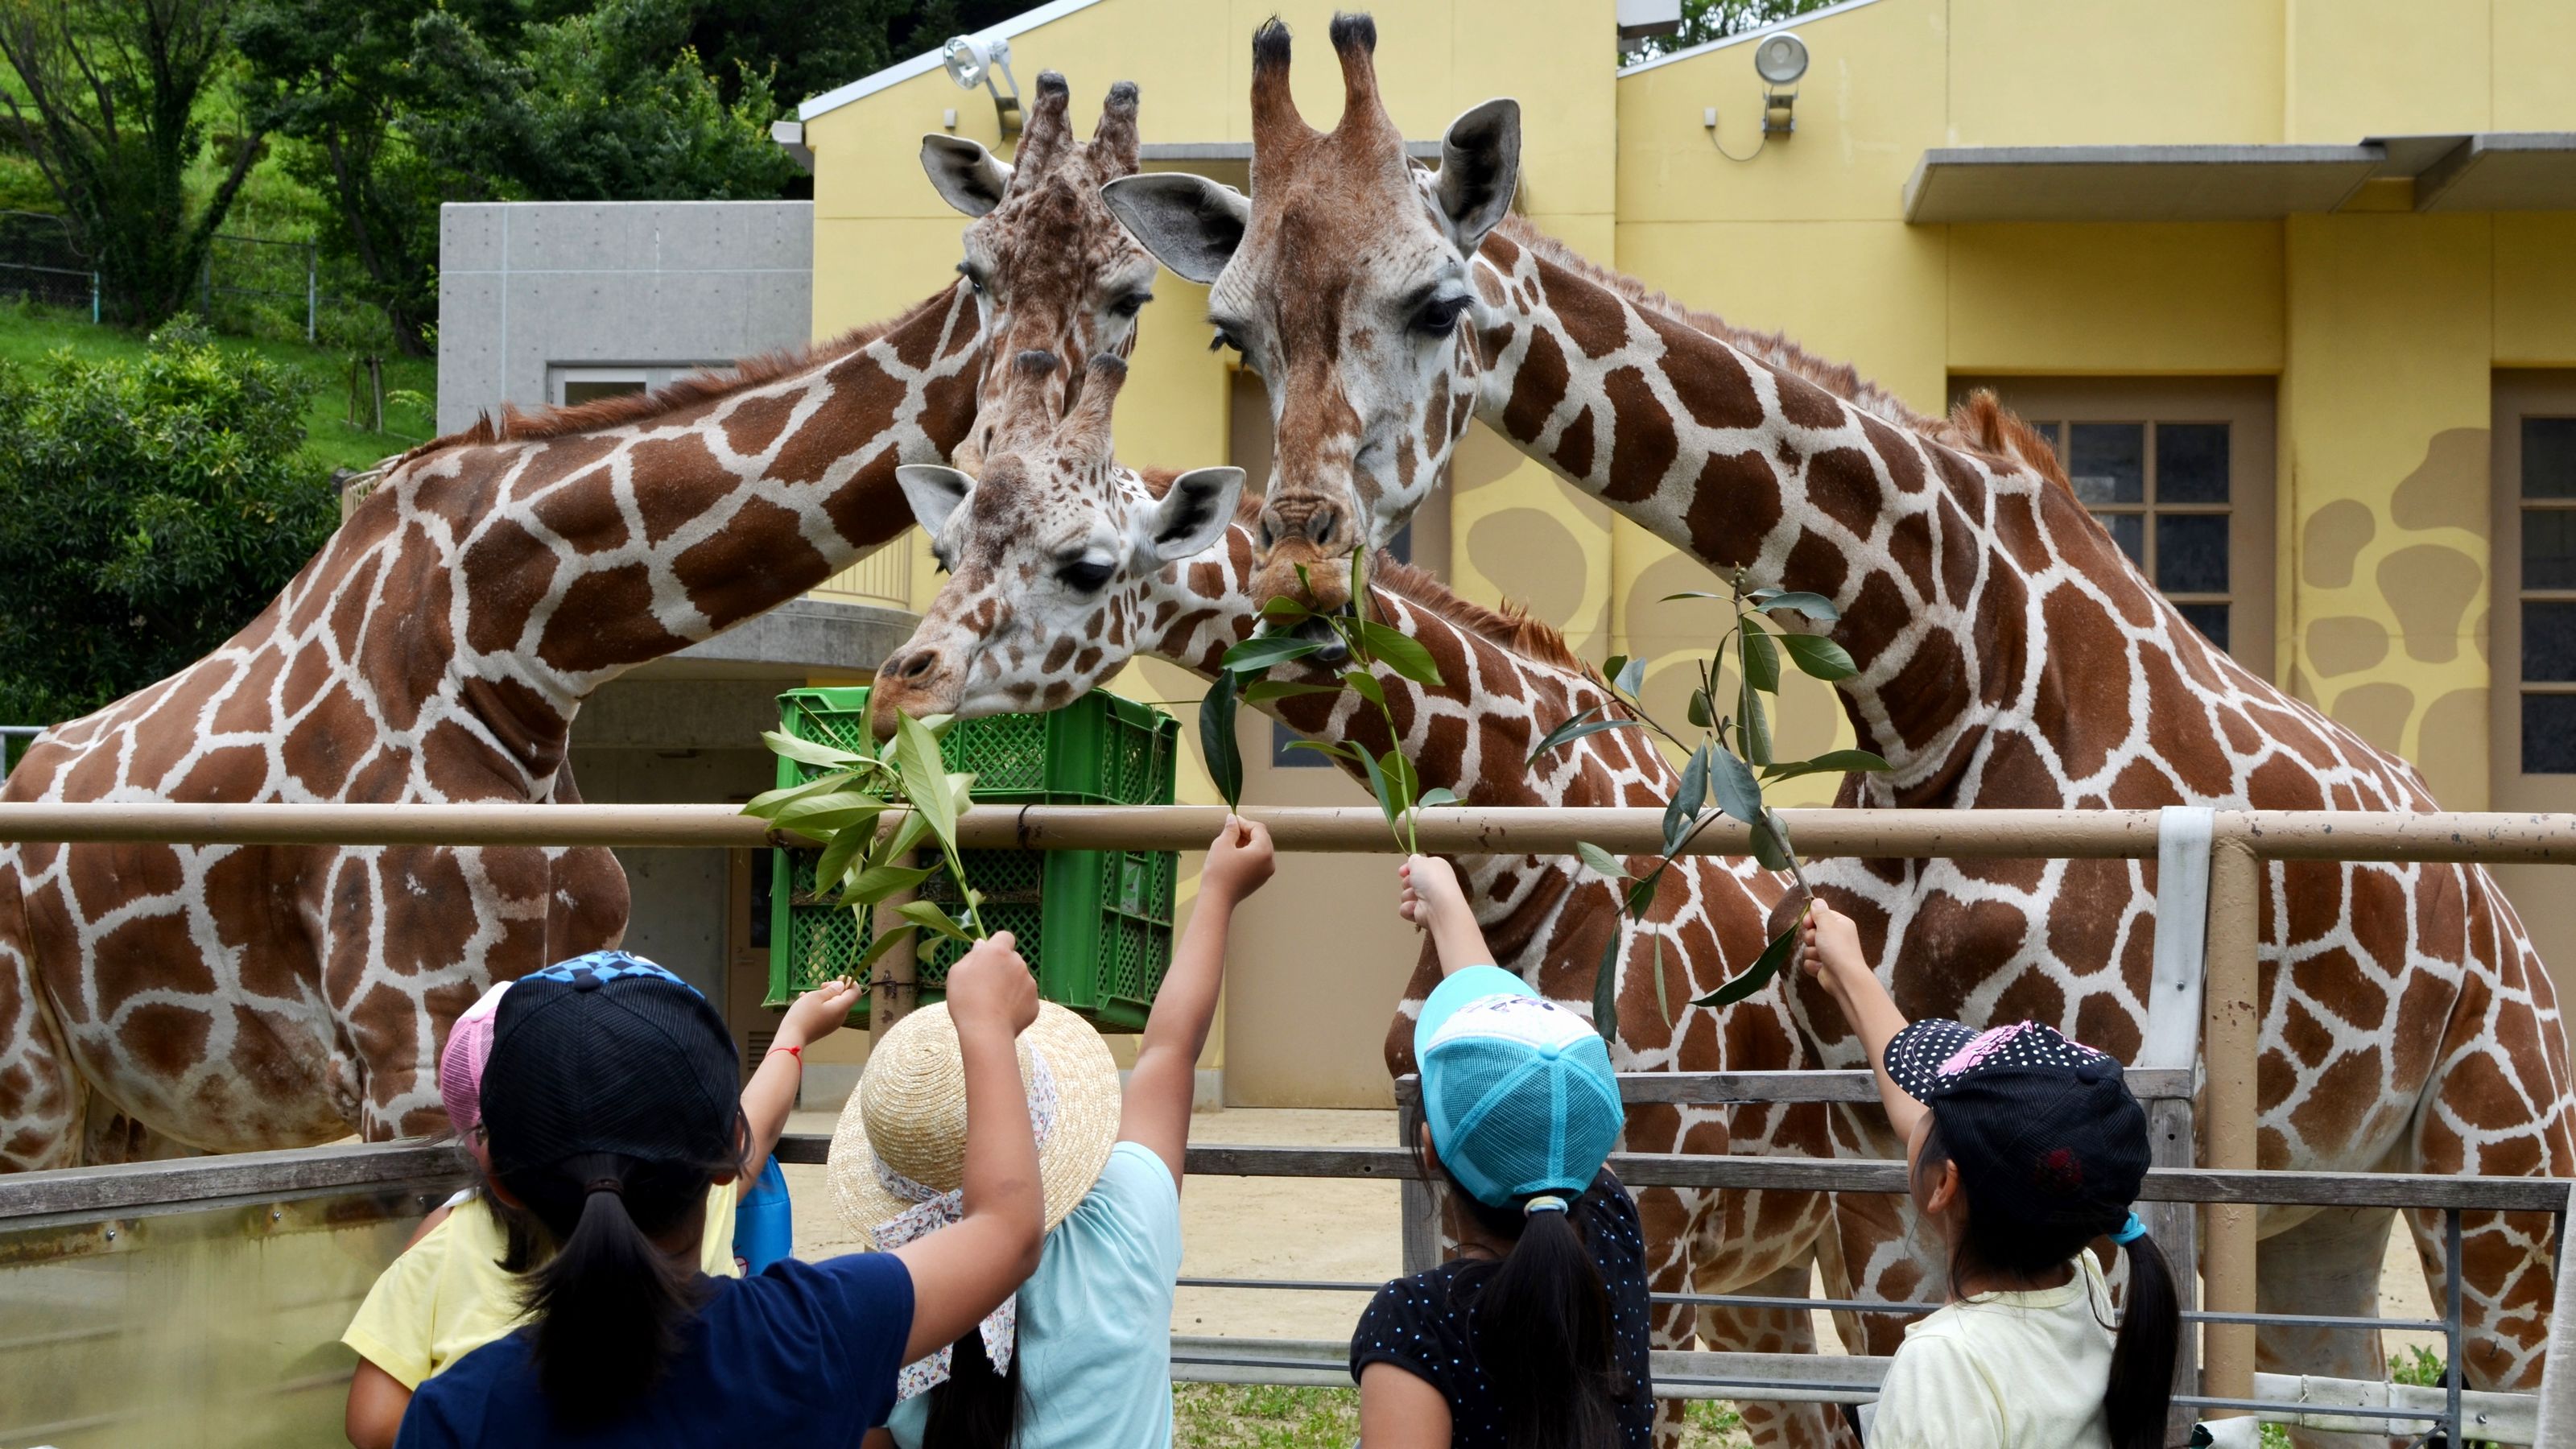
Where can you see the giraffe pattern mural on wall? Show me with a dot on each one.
(159, 998)
(1064, 565)
(2008, 656)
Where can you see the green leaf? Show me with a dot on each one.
(1611, 666)
(837, 857)
(1761, 657)
(885, 941)
(1832, 761)
(1631, 677)
(1216, 739)
(1602, 862)
(1257, 654)
(1284, 607)
(1700, 714)
(1605, 989)
(1380, 786)
(806, 752)
(832, 811)
(1753, 729)
(880, 881)
(768, 803)
(1733, 786)
(907, 838)
(1814, 606)
(1688, 594)
(928, 916)
(1437, 795)
(1689, 796)
(1575, 729)
(1262, 690)
(1401, 777)
(1399, 651)
(1771, 841)
(1819, 656)
(925, 779)
(1663, 1001)
(1641, 892)
(1754, 977)
(1365, 685)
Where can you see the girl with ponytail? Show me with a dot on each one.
(608, 1110)
(2024, 1149)
(1534, 1336)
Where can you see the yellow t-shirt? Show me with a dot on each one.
(446, 1296)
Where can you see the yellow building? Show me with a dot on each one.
(2292, 283)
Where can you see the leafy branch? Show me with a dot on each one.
(1732, 757)
(1371, 644)
(865, 861)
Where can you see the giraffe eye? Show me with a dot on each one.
(1439, 317)
(1131, 304)
(1085, 576)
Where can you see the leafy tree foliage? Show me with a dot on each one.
(147, 512)
(1707, 20)
(108, 96)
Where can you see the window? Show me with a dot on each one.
(2535, 585)
(2180, 475)
(570, 386)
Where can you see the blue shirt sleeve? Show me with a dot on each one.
(1136, 1198)
(857, 1309)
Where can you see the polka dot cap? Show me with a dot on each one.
(605, 966)
(1929, 1058)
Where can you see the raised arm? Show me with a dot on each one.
(1429, 896)
(1156, 1112)
(771, 1093)
(1833, 956)
(965, 1270)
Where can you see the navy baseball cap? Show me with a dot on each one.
(2045, 1130)
(608, 1053)
(1518, 1090)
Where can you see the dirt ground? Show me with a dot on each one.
(1342, 1231)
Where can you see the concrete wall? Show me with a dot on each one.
(527, 289)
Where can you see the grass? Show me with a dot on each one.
(1230, 1416)
(30, 334)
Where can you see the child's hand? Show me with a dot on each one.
(1830, 948)
(818, 1013)
(1429, 892)
(1239, 860)
(992, 988)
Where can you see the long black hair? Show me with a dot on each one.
(2000, 1239)
(1541, 1319)
(975, 1407)
(608, 1302)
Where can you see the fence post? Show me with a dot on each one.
(1419, 1221)
(311, 295)
(892, 983)
(93, 299)
(2231, 1047)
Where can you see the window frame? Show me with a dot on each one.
(2247, 405)
(2516, 395)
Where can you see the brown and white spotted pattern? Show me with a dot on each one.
(156, 998)
(2009, 656)
(1064, 566)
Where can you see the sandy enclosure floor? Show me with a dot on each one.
(1345, 1231)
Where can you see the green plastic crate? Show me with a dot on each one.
(1096, 926)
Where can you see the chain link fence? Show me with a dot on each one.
(250, 286)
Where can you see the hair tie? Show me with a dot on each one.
(2130, 1231)
(1544, 1203)
(603, 1184)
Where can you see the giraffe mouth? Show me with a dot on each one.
(1331, 652)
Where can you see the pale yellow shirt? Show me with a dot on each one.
(446, 1296)
(2004, 1371)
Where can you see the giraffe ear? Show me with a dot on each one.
(965, 173)
(1480, 167)
(1194, 512)
(1190, 223)
(933, 491)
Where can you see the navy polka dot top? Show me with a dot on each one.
(1427, 1325)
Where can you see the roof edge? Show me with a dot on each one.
(904, 70)
(1742, 37)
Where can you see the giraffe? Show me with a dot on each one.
(158, 998)
(2008, 656)
(1063, 565)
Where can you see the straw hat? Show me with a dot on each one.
(910, 1111)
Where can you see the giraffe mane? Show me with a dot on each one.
(1510, 627)
(511, 423)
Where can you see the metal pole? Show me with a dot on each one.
(2453, 1370)
(2231, 1021)
(93, 299)
(894, 980)
(311, 294)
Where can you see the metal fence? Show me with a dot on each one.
(251, 286)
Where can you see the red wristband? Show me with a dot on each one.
(797, 1052)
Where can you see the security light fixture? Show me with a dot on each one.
(1779, 59)
(971, 62)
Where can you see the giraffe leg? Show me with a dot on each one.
(109, 1135)
(41, 1094)
(1881, 1258)
(1777, 1425)
(2327, 1264)
(1666, 1218)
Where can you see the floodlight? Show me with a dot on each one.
(971, 61)
(1779, 60)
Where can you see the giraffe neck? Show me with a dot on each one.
(550, 565)
(1746, 454)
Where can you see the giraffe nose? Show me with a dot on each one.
(914, 665)
(1315, 521)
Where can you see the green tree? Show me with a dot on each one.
(109, 96)
(1707, 20)
(148, 510)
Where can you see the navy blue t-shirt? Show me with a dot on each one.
(805, 1353)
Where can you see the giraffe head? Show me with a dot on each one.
(1052, 271)
(1345, 283)
(1049, 547)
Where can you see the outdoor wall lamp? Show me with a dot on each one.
(1779, 60)
(971, 61)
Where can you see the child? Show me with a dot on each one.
(1083, 1356)
(608, 1109)
(2022, 1147)
(1535, 1334)
(455, 1287)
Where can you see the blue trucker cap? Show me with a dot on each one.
(1517, 1089)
